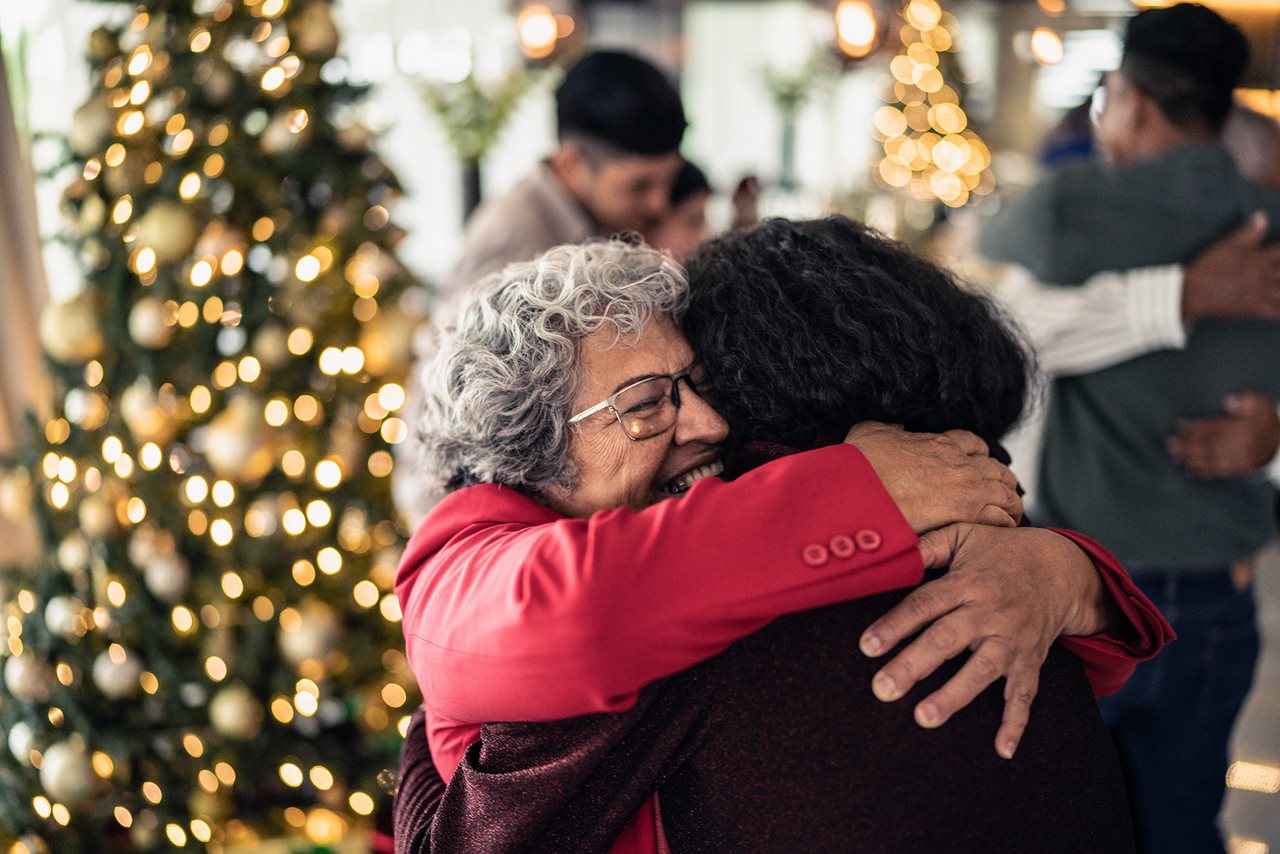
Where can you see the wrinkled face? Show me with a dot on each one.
(1116, 117)
(683, 229)
(628, 193)
(613, 470)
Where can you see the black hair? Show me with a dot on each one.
(689, 180)
(1188, 59)
(622, 101)
(810, 327)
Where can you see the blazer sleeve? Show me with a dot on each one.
(516, 622)
(1110, 658)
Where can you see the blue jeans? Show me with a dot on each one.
(1173, 720)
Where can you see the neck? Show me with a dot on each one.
(1164, 137)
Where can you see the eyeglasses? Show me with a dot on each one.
(648, 407)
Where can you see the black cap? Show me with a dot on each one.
(1193, 41)
(623, 100)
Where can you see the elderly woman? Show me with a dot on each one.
(565, 410)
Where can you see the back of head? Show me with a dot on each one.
(622, 101)
(809, 327)
(1188, 59)
(690, 180)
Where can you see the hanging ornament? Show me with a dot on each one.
(271, 346)
(103, 45)
(168, 576)
(315, 35)
(22, 740)
(67, 774)
(236, 713)
(116, 673)
(151, 417)
(73, 553)
(91, 126)
(168, 228)
(28, 678)
(62, 616)
(283, 134)
(146, 324)
(317, 633)
(70, 331)
(97, 517)
(236, 442)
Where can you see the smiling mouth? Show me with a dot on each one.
(681, 484)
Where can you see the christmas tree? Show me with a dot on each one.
(929, 146)
(209, 655)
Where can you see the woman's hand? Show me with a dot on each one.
(1008, 595)
(939, 479)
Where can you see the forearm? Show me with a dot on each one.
(574, 617)
(1111, 318)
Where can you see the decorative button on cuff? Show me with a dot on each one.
(868, 540)
(814, 555)
(842, 546)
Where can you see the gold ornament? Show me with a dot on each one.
(236, 443)
(70, 331)
(314, 34)
(90, 126)
(151, 417)
(97, 517)
(317, 633)
(168, 228)
(21, 741)
(167, 576)
(147, 326)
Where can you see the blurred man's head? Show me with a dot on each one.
(1174, 83)
(620, 123)
(685, 225)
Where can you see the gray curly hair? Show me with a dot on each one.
(499, 388)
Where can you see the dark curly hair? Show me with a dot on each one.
(813, 326)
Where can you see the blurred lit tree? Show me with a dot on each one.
(930, 147)
(209, 653)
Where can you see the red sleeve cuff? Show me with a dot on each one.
(1110, 658)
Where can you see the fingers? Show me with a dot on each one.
(1249, 233)
(937, 547)
(944, 640)
(989, 662)
(924, 604)
(970, 443)
(1019, 692)
(996, 517)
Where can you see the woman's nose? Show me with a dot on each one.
(697, 420)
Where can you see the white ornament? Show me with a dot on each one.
(70, 332)
(67, 774)
(21, 741)
(73, 553)
(167, 227)
(167, 575)
(318, 633)
(28, 678)
(117, 680)
(236, 713)
(62, 615)
(147, 326)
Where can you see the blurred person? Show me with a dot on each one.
(845, 297)
(619, 122)
(1161, 417)
(685, 225)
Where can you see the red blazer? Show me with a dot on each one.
(513, 612)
